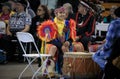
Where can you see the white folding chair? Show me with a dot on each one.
(24, 37)
(2, 27)
(101, 27)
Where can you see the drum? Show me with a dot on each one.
(80, 64)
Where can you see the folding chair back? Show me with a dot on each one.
(24, 37)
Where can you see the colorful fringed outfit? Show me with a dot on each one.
(56, 32)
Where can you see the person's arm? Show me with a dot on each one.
(27, 24)
(8, 30)
(91, 26)
(110, 37)
(26, 29)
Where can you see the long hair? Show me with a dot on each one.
(47, 14)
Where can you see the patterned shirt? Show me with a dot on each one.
(17, 21)
(112, 35)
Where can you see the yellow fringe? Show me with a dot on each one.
(42, 47)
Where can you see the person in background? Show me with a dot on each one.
(110, 50)
(52, 5)
(13, 4)
(6, 12)
(109, 18)
(67, 45)
(69, 11)
(42, 15)
(19, 22)
(112, 16)
(85, 25)
(100, 9)
(4, 17)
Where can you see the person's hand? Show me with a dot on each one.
(66, 44)
(77, 38)
(61, 38)
(65, 29)
(9, 33)
(103, 41)
(65, 47)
